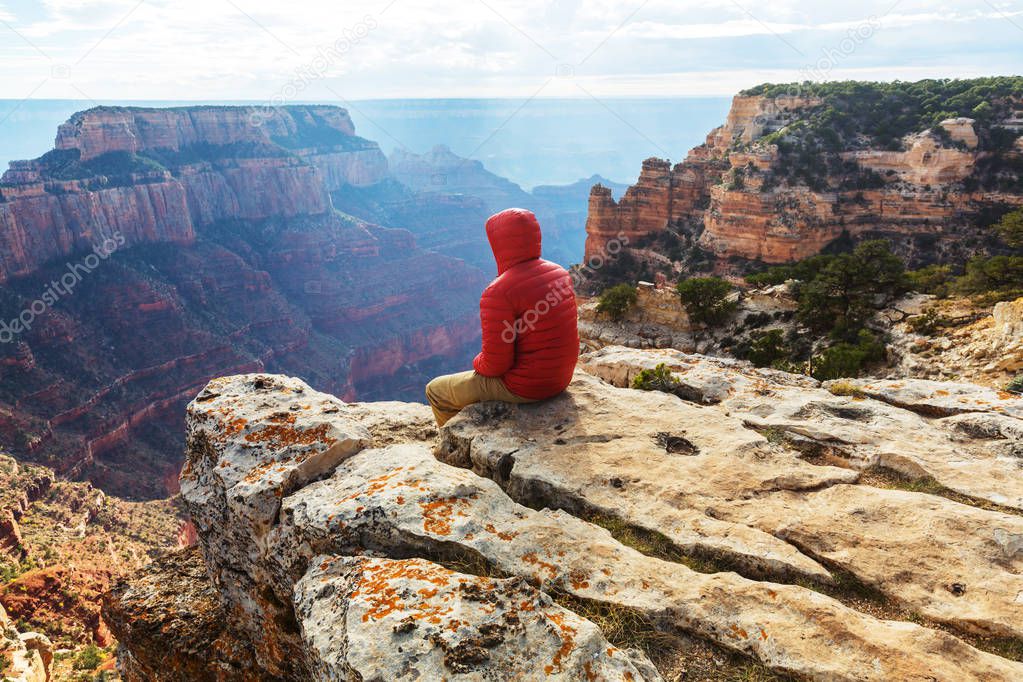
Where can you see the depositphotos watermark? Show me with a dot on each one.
(562, 289)
(63, 286)
(315, 69)
(820, 71)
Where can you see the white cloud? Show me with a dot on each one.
(251, 49)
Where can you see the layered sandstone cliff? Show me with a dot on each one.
(764, 189)
(763, 524)
(155, 248)
(156, 175)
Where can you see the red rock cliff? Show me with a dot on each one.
(155, 175)
(232, 257)
(735, 195)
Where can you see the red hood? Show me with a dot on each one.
(514, 236)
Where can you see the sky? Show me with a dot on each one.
(300, 50)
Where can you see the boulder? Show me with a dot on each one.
(253, 439)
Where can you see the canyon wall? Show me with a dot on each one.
(739, 198)
(155, 248)
(155, 175)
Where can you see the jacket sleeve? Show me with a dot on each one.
(497, 319)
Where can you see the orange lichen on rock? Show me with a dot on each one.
(234, 426)
(437, 514)
(501, 534)
(737, 632)
(567, 634)
(532, 558)
(380, 586)
(579, 580)
(282, 436)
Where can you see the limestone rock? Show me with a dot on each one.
(676, 468)
(938, 398)
(646, 457)
(964, 564)
(863, 433)
(342, 545)
(41, 644)
(400, 501)
(394, 422)
(1008, 319)
(368, 619)
(253, 439)
(26, 655)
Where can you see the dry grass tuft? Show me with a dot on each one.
(846, 389)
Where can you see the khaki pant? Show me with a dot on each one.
(448, 394)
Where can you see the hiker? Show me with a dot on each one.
(528, 315)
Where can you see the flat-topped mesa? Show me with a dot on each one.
(342, 540)
(159, 175)
(136, 129)
(789, 173)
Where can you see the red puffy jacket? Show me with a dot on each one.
(528, 313)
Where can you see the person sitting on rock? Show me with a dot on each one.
(528, 316)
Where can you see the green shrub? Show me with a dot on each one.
(844, 359)
(615, 301)
(659, 378)
(850, 289)
(993, 279)
(1010, 228)
(803, 271)
(933, 279)
(706, 299)
(886, 111)
(767, 348)
(88, 658)
(1016, 385)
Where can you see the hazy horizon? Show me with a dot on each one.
(542, 141)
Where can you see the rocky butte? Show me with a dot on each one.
(225, 248)
(796, 167)
(761, 526)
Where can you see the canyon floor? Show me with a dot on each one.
(764, 527)
(64, 545)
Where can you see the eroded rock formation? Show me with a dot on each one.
(744, 194)
(761, 515)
